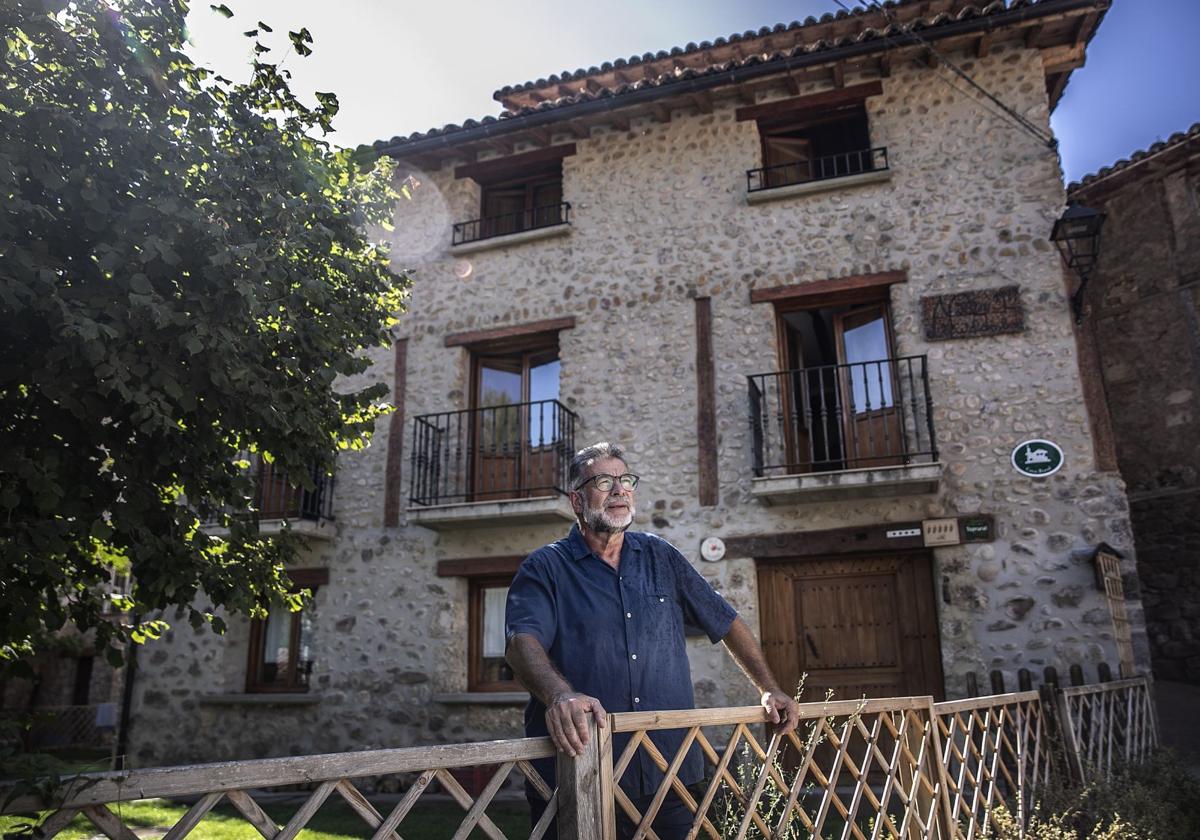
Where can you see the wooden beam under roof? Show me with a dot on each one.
(542, 135)
(839, 74)
(1064, 58)
(885, 65)
(662, 112)
(1083, 30)
(983, 45)
(930, 59)
(619, 121)
(793, 84)
(502, 145)
(703, 101)
(577, 129)
(1032, 34)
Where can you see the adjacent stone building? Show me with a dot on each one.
(803, 274)
(1143, 300)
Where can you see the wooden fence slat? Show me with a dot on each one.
(361, 806)
(165, 782)
(300, 819)
(55, 823)
(193, 816)
(255, 815)
(485, 798)
(388, 826)
(464, 800)
(107, 821)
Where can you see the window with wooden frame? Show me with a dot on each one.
(842, 384)
(281, 654)
(517, 422)
(522, 201)
(488, 579)
(816, 145)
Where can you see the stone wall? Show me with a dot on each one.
(1145, 296)
(660, 217)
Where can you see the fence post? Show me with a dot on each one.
(947, 830)
(580, 805)
(1066, 731)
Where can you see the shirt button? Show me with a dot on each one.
(637, 699)
(633, 656)
(629, 615)
(660, 600)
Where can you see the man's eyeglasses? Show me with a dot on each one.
(604, 483)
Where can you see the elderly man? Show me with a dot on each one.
(595, 624)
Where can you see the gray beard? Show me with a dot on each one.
(599, 521)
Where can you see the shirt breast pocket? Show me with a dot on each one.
(663, 620)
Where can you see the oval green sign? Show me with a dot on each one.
(1037, 458)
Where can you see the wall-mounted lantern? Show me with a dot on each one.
(1077, 235)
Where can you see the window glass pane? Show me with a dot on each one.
(500, 418)
(544, 418)
(493, 621)
(867, 352)
(276, 646)
(304, 664)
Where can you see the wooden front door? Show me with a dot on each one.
(855, 625)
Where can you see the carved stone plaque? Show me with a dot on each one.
(973, 314)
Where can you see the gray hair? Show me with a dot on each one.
(586, 456)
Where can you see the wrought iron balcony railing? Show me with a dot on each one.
(277, 497)
(493, 453)
(817, 169)
(842, 417)
(537, 217)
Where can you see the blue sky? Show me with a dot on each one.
(400, 66)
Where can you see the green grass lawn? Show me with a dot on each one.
(334, 821)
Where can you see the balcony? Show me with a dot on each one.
(492, 466)
(817, 174)
(279, 503)
(861, 430)
(512, 228)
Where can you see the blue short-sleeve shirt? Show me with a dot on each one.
(618, 635)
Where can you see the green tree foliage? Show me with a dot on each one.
(184, 276)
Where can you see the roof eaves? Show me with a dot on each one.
(994, 15)
(1122, 168)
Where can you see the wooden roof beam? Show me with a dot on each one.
(1032, 34)
(577, 129)
(501, 145)
(662, 112)
(541, 134)
(885, 65)
(930, 59)
(839, 74)
(703, 101)
(1086, 24)
(793, 84)
(983, 45)
(1064, 58)
(619, 121)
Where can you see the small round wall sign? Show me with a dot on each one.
(1037, 458)
(712, 549)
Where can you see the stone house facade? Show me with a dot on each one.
(803, 274)
(1144, 299)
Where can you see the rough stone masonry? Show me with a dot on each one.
(660, 217)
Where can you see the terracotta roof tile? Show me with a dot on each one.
(1175, 140)
(678, 74)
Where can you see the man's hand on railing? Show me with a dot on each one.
(782, 710)
(566, 718)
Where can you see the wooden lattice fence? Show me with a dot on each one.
(902, 768)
